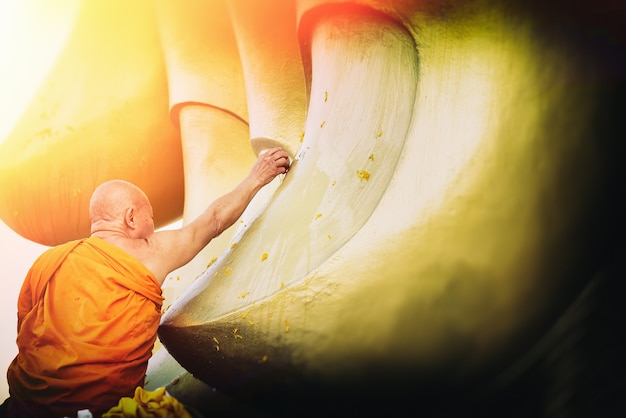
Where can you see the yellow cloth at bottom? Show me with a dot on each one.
(148, 404)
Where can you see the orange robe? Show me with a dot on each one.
(88, 314)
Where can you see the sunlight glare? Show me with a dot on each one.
(32, 34)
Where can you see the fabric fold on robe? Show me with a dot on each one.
(88, 314)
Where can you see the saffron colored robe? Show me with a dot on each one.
(88, 314)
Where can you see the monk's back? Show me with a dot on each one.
(86, 334)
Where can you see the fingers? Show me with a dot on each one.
(275, 154)
(278, 157)
(270, 164)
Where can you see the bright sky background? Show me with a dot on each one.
(31, 34)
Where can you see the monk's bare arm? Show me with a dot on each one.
(170, 249)
(177, 247)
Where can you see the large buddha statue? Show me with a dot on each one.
(455, 181)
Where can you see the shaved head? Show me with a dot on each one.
(110, 202)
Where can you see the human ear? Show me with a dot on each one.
(129, 217)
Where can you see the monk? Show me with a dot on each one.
(89, 309)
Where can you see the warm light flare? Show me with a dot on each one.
(32, 33)
(96, 87)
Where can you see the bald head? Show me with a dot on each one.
(113, 202)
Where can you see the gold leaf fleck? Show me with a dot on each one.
(236, 334)
(363, 175)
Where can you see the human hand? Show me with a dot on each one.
(269, 164)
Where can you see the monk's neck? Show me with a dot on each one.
(114, 237)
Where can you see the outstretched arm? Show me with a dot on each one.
(167, 250)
